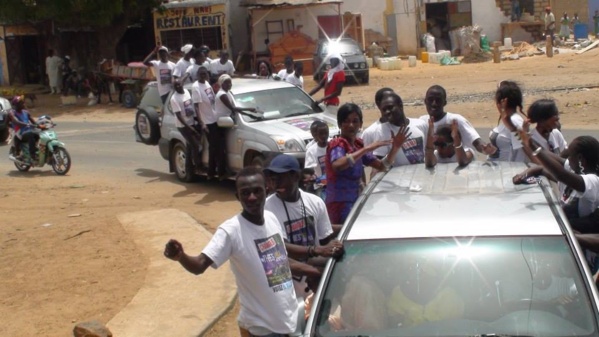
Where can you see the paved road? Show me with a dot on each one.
(102, 148)
(110, 148)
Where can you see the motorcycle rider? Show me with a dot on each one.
(24, 127)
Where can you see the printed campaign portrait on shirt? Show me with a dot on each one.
(273, 256)
(166, 76)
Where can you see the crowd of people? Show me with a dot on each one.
(280, 241)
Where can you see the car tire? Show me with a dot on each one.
(182, 163)
(258, 161)
(129, 99)
(147, 126)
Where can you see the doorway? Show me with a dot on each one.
(24, 62)
(437, 24)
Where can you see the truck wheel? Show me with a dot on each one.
(181, 161)
(129, 99)
(258, 161)
(147, 126)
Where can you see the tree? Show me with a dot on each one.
(108, 18)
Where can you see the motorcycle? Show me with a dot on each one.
(49, 150)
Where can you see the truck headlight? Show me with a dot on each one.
(287, 145)
(362, 65)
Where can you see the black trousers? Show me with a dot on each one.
(31, 139)
(194, 142)
(218, 149)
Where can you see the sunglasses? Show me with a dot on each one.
(442, 145)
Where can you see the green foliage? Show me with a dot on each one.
(74, 13)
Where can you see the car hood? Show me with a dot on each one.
(297, 127)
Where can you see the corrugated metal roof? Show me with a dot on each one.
(281, 3)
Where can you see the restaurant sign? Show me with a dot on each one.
(190, 18)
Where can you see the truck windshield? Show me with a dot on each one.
(277, 103)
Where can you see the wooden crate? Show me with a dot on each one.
(300, 46)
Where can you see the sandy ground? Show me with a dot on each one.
(64, 257)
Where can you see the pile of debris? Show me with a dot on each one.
(478, 57)
(521, 49)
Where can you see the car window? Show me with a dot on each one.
(512, 286)
(277, 103)
(343, 48)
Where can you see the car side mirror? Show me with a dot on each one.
(225, 122)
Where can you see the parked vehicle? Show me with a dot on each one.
(49, 150)
(356, 66)
(282, 127)
(456, 252)
(4, 127)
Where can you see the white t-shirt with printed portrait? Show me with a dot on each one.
(467, 131)
(259, 262)
(164, 75)
(315, 158)
(203, 95)
(412, 150)
(304, 223)
(183, 103)
(509, 147)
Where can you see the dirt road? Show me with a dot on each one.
(64, 257)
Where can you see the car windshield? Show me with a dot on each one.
(276, 104)
(510, 286)
(343, 48)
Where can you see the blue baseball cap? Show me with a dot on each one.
(283, 163)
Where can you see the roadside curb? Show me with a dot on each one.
(172, 301)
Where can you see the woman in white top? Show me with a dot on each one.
(576, 176)
(224, 106)
(546, 133)
(505, 137)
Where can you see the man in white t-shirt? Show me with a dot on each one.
(287, 71)
(303, 217)
(200, 61)
(163, 69)
(253, 242)
(186, 122)
(203, 97)
(184, 62)
(221, 66)
(412, 149)
(296, 78)
(435, 101)
(370, 132)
